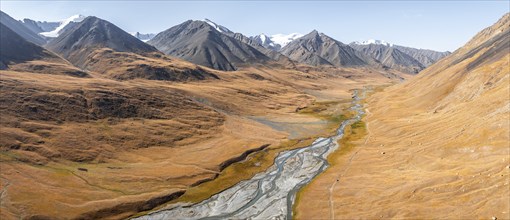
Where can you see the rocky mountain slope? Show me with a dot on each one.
(390, 57)
(436, 146)
(100, 46)
(407, 59)
(424, 56)
(201, 43)
(319, 49)
(20, 29)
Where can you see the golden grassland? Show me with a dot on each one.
(103, 148)
(436, 146)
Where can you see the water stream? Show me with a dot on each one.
(270, 194)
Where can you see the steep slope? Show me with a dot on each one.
(20, 29)
(15, 49)
(390, 57)
(98, 45)
(437, 146)
(320, 49)
(20, 55)
(201, 43)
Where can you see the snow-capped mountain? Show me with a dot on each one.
(63, 24)
(372, 41)
(50, 28)
(143, 37)
(277, 41)
(218, 27)
(266, 42)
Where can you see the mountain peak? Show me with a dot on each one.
(314, 32)
(77, 42)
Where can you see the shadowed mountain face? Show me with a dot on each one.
(390, 57)
(20, 29)
(76, 43)
(15, 49)
(19, 54)
(320, 49)
(200, 43)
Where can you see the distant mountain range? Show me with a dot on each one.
(406, 59)
(213, 45)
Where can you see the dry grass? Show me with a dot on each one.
(91, 146)
(437, 146)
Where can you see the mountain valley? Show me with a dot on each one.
(100, 123)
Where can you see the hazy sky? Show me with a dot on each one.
(438, 25)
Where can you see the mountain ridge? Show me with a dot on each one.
(201, 43)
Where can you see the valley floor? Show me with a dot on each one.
(77, 160)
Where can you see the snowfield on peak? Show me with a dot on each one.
(372, 41)
(277, 41)
(63, 24)
(284, 39)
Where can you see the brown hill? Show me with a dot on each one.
(437, 146)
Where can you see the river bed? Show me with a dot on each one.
(270, 194)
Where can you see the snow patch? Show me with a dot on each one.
(219, 28)
(63, 24)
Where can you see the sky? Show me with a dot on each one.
(437, 25)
